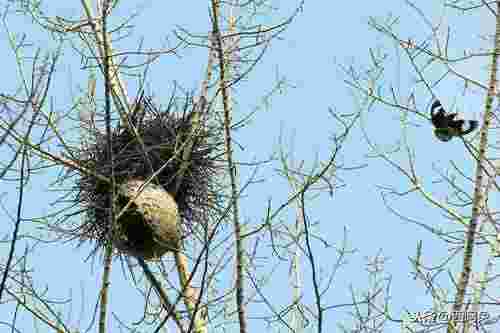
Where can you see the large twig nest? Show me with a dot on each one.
(169, 205)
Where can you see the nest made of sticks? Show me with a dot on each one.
(181, 201)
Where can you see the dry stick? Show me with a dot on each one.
(108, 247)
(169, 307)
(180, 258)
(311, 259)
(108, 254)
(482, 281)
(296, 319)
(181, 261)
(188, 293)
(478, 190)
(240, 296)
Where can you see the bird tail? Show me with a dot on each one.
(473, 124)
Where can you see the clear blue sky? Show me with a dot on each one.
(321, 38)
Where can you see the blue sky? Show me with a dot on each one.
(322, 37)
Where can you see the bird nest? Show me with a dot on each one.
(159, 194)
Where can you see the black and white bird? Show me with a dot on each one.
(446, 127)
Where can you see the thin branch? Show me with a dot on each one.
(240, 293)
